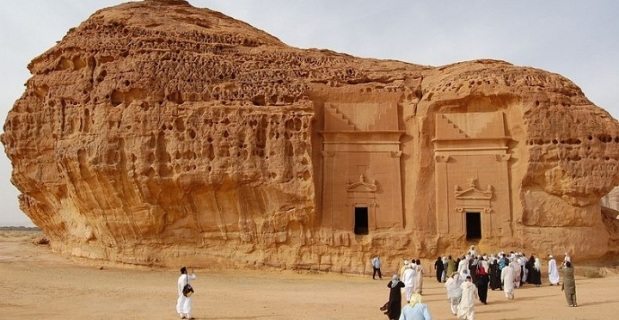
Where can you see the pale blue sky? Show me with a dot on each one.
(578, 39)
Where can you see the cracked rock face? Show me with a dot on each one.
(159, 133)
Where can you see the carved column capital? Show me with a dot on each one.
(328, 154)
(396, 154)
(439, 158)
(503, 157)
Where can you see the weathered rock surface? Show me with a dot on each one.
(160, 133)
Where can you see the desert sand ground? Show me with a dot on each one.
(35, 283)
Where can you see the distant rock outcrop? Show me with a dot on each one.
(159, 133)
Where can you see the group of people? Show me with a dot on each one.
(468, 278)
(410, 279)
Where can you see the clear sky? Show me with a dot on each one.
(578, 39)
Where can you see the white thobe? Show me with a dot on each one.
(409, 282)
(454, 292)
(507, 277)
(419, 279)
(553, 272)
(463, 268)
(183, 304)
(467, 303)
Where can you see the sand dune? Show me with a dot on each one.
(36, 283)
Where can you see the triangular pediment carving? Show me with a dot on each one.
(363, 185)
(473, 192)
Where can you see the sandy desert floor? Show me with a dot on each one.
(37, 284)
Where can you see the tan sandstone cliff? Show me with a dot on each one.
(159, 133)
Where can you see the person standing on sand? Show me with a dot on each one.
(394, 305)
(454, 292)
(466, 307)
(183, 303)
(419, 277)
(409, 280)
(507, 278)
(439, 268)
(569, 284)
(553, 272)
(451, 266)
(376, 263)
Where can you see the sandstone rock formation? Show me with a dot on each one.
(159, 133)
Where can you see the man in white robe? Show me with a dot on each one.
(183, 303)
(409, 281)
(516, 267)
(463, 267)
(454, 292)
(507, 277)
(553, 271)
(466, 307)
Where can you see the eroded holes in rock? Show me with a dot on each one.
(289, 150)
(101, 75)
(191, 133)
(554, 141)
(177, 155)
(306, 175)
(175, 96)
(150, 172)
(210, 154)
(179, 124)
(273, 99)
(590, 137)
(188, 155)
(225, 134)
(116, 98)
(607, 158)
(616, 139)
(126, 83)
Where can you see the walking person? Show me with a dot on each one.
(409, 280)
(394, 305)
(451, 266)
(454, 292)
(482, 281)
(534, 274)
(466, 307)
(415, 310)
(495, 274)
(376, 264)
(507, 278)
(553, 271)
(183, 303)
(569, 284)
(439, 268)
(419, 277)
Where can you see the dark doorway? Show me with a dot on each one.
(361, 220)
(473, 225)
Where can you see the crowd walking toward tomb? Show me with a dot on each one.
(468, 279)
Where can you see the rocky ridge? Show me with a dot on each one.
(159, 133)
